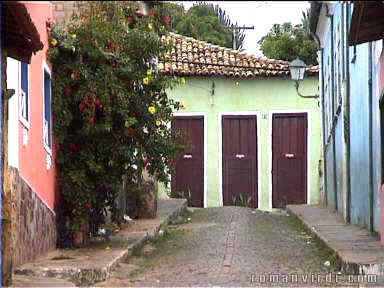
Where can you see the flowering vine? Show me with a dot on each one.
(110, 105)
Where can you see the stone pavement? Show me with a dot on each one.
(85, 266)
(230, 246)
(359, 252)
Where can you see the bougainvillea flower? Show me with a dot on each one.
(146, 81)
(145, 162)
(166, 20)
(73, 147)
(132, 132)
(91, 121)
(98, 102)
(81, 107)
(67, 91)
(152, 109)
(54, 42)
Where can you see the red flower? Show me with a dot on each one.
(86, 99)
(74, 147)
(111, 46)
(89, 206)
(166, 20)
(67, 91)
(98, 103)
(91, 121)
(81, 107)
(171, 162)
(132, 132)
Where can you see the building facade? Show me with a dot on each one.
(31, 173)
(256, 142)
(351, 117)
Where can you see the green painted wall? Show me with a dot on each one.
(258, 95)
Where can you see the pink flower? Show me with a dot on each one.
(67, 91)
(166, 20)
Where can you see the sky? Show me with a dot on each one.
(260, 14)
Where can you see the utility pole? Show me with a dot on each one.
(234, 28)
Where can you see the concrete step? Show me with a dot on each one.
(358, 251)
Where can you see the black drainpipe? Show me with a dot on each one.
(333, 127)
(371, 189)
(347, 134)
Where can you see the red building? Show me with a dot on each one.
(31, 156)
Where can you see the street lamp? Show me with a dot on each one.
(297, 68)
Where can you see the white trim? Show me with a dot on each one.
(309, 131)
(258, 123)
(205, 123)
(13, 82)
(46, 69)
(26, 122)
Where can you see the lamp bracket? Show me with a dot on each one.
(304, 96)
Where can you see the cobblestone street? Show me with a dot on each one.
(228, 246)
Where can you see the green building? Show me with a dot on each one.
(255, 141)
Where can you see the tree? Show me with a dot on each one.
(110, 106)
(204, 22)
(287, 42)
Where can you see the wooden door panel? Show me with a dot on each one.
(289, 159)
(239, 158)
(188, 180)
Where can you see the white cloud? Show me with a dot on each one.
(261, 14)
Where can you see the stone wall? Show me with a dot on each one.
(33, 223)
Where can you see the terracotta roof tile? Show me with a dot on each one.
(193, 57)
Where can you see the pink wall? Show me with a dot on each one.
(33, 156)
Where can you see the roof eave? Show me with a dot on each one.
(21, 36)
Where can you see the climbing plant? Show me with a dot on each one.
(110, 106)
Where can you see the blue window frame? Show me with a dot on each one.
(24, 95)
(47, 129)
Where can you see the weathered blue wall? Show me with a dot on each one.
(359, 127)
(339, 158)
(364, 126)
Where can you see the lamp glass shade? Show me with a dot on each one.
(297, 69)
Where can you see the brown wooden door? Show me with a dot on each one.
(188, 180)
(289, 159)
(239, 160)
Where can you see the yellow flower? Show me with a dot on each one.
(146, 81)
(73, 36)
(158, 122)
(182, 80)
(53, 42)
(152, 109)
(150, 26)
(183, 107)
(149, 72)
